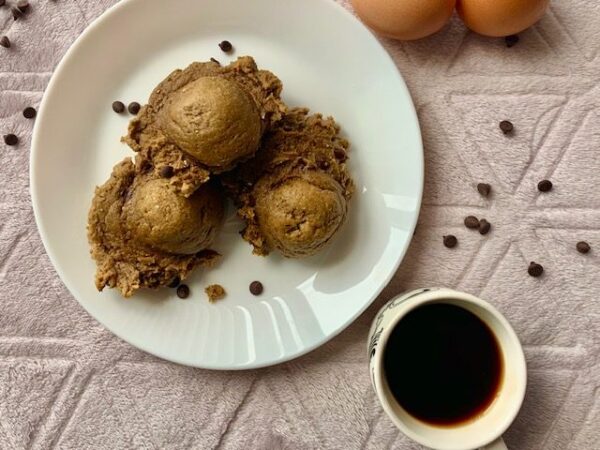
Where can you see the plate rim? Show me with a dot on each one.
(43, 233)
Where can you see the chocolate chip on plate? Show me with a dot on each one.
(166, 171)
(174, 283)
(535, 269)
(225, 46)
(471, 222)
(484, 226)
(29, 112)
(256, 288)
(5, 42)
(484, 189)
(545, 186)
(11, 139)
(583, 247)
(506, 126)
(16, 13)
(183, 291)
(118, 107)
(511, 40)
(134, 108)
(340, 154)
(450, 241)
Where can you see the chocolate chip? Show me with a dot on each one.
(484, 226)
(324, 165)
(215, 61)
(5, 42)
(166, 171)
(450, 241)
(134, 108)
(511, 40)
(471, 222)
(340, 154)
(583, 247)
(183, 291)
(535, 269)
(175, 283)
(118, 107)
(545, 186)
(16, 13)
(484, 189)
(226, 46)
(506, 126)
(29, 112)
(23, 6)
(256, 288)
(11, 139)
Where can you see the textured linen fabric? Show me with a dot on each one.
(67, 383)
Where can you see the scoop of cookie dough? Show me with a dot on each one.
(159, 218)
(293, 195)
(123, 262)
(164, 131)
(214, 120)
(298, 213)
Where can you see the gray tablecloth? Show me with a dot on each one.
(65, 382)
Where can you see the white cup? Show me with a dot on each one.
(484, 430)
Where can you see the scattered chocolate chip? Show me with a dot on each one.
(511, 40)
(5, 42)
(506, 126)
(535, 269)
(183, 291)
(484, 226)
(118, 107)
(23, 6)
(545, 186)
(340, 154)
(166, 171)
(11, 139)
(583, 247)
(484, 189)
(450, 241)
(226, 46)
(29, 112)
(471, 222)
(175, 283)
(134, 108)
(324, 165)
(215, 61)
(256, 288)
(16, 13)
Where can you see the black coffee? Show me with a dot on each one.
(443, 364)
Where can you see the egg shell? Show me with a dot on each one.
(500, 17)
(404, 19)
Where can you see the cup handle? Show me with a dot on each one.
(498, 444)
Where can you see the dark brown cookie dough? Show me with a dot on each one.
(293, 195)
(122, 261)
(205, 119)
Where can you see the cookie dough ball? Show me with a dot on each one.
(299, 214)
(159, 218)
(214, 120)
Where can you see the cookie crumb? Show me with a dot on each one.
(215, 292)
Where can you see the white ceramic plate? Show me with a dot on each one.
(327, 61)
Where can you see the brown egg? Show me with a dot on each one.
(404, 19)
(500, 17)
